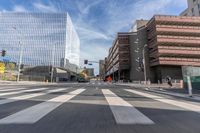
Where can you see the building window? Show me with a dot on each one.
(194, 1)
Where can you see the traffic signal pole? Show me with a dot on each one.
(20, 62)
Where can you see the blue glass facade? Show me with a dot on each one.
(36, 34)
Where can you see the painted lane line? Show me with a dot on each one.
(181, 104)
(35, 113)
(124, 112)
(22, 91)
(24, 97)
(14, 89)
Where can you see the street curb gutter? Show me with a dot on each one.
(157, 90)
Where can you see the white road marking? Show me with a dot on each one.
(124, 112)
(35, 113)
(181, 104)
(24, 97)
(22, 91)
(13, 89)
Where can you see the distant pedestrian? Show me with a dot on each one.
(169, 81)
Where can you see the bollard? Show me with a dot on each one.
(189, 86)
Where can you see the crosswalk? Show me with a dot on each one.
(35, 113)
(122, 110)
(27, 96)
(99, 83)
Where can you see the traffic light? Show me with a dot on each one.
(85, 61)
(3, 53)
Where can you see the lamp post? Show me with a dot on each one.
(52, 63)
(144, 63)
(21, 54)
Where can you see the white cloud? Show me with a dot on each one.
(45, 8)
(3, 10)
(91, 34)
(18, 8)
(84, 8)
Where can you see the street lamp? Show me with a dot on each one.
(21, 54)
(52, 63)
(144, 63)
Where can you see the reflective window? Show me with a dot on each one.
(36, 34)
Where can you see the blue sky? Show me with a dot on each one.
(98, 21)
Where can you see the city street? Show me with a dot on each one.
(94, 107)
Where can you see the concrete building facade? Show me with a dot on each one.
(193, 8)
(124, 61)
(118, 60)
(138, 51)
(156, 49)
(102, 69)
(173, 42)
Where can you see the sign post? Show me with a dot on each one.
(189, 86)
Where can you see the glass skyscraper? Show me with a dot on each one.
(44, 38)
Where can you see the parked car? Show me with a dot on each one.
(82, 80)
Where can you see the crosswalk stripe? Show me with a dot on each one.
(4, 87)
(22, 91)
(35, 113)
(124, 112)
(183, 105)
(24, 97)
(13, 89)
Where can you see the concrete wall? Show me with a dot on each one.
(137, 45)
(192, 5)
(161, 72)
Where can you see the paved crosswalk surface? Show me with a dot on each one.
(91, 106)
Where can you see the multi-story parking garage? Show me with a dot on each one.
(118, 60)
(173, 42)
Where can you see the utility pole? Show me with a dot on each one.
(52, 64)
(20, 61)
(21, 54)
(144, 63)
(113, 67)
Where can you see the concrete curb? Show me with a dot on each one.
(195, 97)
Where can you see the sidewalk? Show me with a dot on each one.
(164, 89)
(3, 82)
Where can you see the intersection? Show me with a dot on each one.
(97, 106)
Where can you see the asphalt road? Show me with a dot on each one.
(94, 108)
